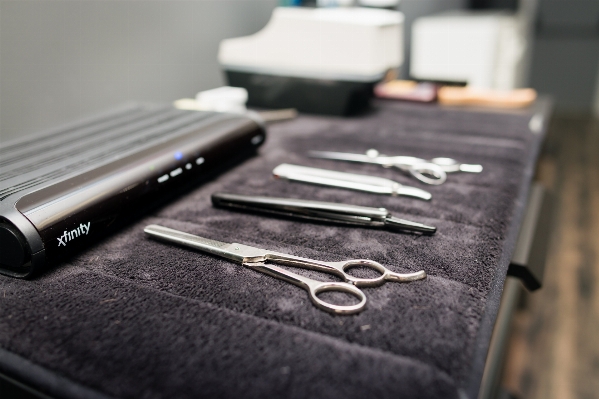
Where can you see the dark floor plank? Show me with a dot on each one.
(554, 351)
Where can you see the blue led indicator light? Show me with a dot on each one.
(178, 155)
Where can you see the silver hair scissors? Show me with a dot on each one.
(257, 259)
(432, 171)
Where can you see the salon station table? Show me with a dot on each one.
(136, 318)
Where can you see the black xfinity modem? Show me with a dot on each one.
(62, 188)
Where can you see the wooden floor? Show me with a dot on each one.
(554, 349)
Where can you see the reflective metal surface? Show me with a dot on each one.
(260, 259)
(351, 181)
(432, 171)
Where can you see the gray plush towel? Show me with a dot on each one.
(134, 317)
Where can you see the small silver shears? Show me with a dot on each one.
(257, 259)
(432, 171)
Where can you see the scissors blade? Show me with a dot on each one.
(372, 156)
(236, 252)
(344, 156)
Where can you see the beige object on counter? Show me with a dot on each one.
(407, 90)
(517, 98)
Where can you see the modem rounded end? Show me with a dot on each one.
(14, 251)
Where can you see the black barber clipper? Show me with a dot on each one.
(62, 188)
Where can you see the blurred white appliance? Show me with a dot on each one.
(484, 50)
(315, 60)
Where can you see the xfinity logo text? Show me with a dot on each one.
(71, 235)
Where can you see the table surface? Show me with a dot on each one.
(133, 317)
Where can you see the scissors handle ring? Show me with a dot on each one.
(421, 170)
(386, 274)
(316, 288)
(363, 282)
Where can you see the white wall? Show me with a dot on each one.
(413, 9)
(60, 60)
